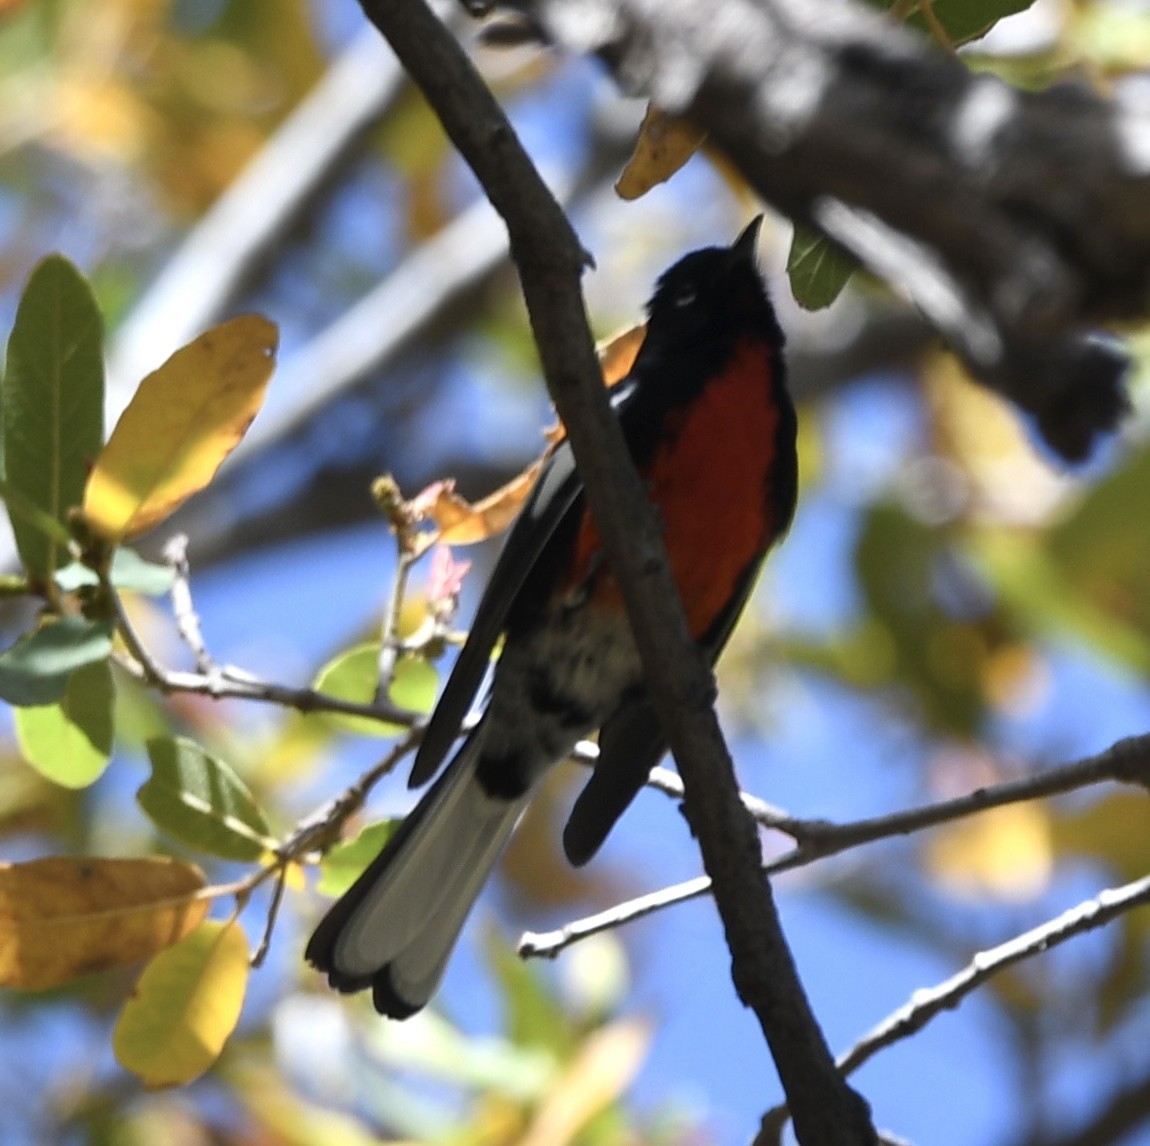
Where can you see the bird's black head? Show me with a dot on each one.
(712, 295)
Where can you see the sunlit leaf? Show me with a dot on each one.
(353, 676)
(435, 1047)
(960, 20)
(345, 862)
(182, 423)
(129, 573)
(62, 917)
(817, 269)
(594, 975)
(52, 395)
(617, 354)
(1112, 830)
(199, 800)
(1038, 589)
(464, 523)
(19, 505)
(285, 1117)
(70, 742)
(664, 144)
(532, 1015)
(936, 658)
(1005, 852)
(602, 1069)
(36, 668)
(184, 1007)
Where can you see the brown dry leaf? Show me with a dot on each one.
(665, 143)
(602, 1069)
(63, 917)
(463, 523)
(617, 355)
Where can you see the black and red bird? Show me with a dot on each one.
(711, 429)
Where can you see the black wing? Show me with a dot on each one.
(552, 497)
(554, 493)
(631, 744)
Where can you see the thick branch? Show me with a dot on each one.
(550, 261)
(1015, 220)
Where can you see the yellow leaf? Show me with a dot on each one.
(62, 917)
(602, 1069)
(182, 423)
(1005, 852)
(286, 1118)
(665, 143)
(185, 1005)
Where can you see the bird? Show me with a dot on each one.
(710, 427)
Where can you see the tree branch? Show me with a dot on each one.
(550, 261)
(927, 1003)
(1017, 222)
(227, 682)
(218, 254)
(1127, 761)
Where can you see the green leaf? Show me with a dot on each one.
(1041, 592)
(130, 572)
(32, 515)
(533, 1016)
(354, 675)
(200, 801)
(53, 402)
(69, 743)
(818, 270)
(36, 668)
(962, 20)
(934, 657)
(414, 684)
(345, 863)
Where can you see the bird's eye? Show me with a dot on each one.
(685, 296)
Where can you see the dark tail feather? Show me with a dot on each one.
(630, 745)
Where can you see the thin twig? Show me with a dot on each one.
(389, 643)
(226, 682)
(927, 1003)
(318, 831)
(183, 609)
(273, 914)
(1127, 761)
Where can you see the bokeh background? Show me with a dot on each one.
(952, 608)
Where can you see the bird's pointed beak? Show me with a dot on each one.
(746, 245)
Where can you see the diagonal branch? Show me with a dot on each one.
(1126, 761)
(550, 260)
(1016, 221)
(927, 1003)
